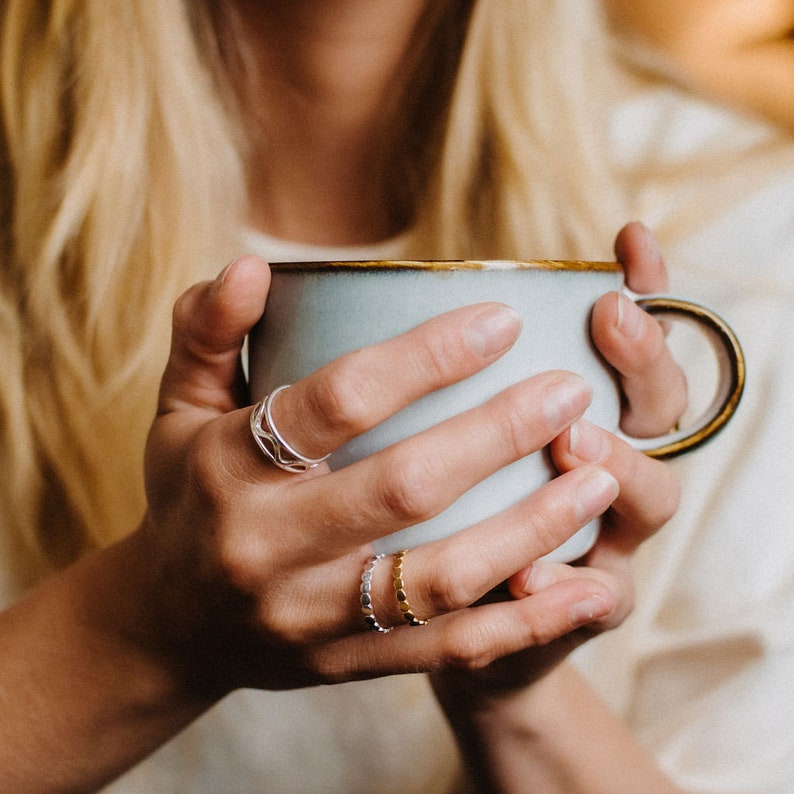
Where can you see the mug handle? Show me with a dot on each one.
(731, 364)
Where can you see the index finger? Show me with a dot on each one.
(361, 389)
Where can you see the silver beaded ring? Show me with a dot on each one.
(366, 596)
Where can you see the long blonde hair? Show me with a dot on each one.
(122, 177)
(522, 172)
(119, 170)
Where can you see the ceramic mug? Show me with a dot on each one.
(317, 311)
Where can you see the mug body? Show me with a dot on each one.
(318, 311)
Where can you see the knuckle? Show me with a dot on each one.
(341, 398)
(266, 604)
(518, 429)
(519, 423)
(546, 525)
(236, 563)
(449, 591)
(440, 357)
(215, 469)
(537, 633)
(467, 648)
(407, 489)
(331, 663)
(279, 624)
(283, 620)
(182, 307)
(235, 556)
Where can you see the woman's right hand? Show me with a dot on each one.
(254, 572)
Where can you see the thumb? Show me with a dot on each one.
(210, 322)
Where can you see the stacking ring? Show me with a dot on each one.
(273, 444)
(399, 589)
(366, 596)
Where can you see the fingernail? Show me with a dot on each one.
(493, 330)
(539, 576)
(221, 277)
(630, 317)
(586, 442)
(595, 494)
(589, 609)
(566, 399)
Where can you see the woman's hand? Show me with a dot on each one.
(255, 573)
(244, 575)
(526, 719)
(654, 390)
(529, 721)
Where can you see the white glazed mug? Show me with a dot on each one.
(317, 311)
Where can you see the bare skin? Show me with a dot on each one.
(126, 647)
(325, 72)
(314, 180)
(242, 575)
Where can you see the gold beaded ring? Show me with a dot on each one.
(399, 589)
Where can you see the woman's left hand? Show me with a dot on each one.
(633, 342)
(654, 390)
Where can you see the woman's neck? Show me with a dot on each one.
(317, 81)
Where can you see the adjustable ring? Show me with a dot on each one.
(399, 589)
(275, 448)
(366, 596)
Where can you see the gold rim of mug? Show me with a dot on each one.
(578, 265)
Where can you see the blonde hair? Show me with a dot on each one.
(123, 176)
(119, 169)
(522, 172)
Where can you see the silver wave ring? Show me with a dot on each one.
(273, 445)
